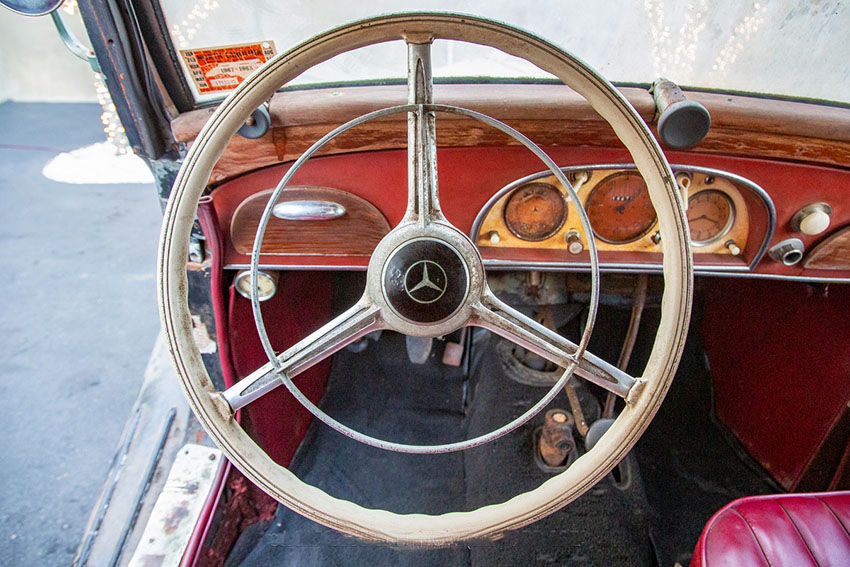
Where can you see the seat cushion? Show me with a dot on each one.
(793, 530)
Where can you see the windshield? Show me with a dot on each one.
(796, 48)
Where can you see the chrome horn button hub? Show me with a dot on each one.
(425, 280)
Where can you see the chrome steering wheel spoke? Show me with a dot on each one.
(494, 315)
(423, 203)
(358, 321)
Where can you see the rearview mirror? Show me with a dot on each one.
(32, 7)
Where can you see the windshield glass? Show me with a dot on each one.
(796, 48)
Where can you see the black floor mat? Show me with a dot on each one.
(379, 392)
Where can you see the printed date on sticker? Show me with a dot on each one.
(216, 69)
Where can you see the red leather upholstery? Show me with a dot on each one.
(789, 530)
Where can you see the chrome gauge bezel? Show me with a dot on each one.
(245, 275)
(729, 223)
(593, 191)
(554, 230)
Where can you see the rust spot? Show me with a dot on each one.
(556, 439)
(172, 521)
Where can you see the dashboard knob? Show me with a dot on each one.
(733, 248)
(682, 123)
(788, 252)
(812, 219)
(814, 223)
(493, 237)
(258, 124)
(574, 243)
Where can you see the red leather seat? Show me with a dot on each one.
(793, 530)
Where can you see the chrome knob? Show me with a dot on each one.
(574, 243)
(812, 219)
(789, 251)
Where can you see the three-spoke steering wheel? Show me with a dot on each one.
(425, 278)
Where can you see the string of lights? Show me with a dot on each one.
(112, 127)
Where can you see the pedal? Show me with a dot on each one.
(419, 349)
(453, 352)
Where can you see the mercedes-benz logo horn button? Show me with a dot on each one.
(424, 287)
(425, 280)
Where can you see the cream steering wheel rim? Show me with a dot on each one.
(382, 525)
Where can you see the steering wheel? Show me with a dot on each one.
(425, 278)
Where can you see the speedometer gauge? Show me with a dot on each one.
(619, 208)
(710, 216)
(535, 211)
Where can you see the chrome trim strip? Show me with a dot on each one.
(763, 196)
(712, 271)
(317, 267)
(610, 267)
(806, 279)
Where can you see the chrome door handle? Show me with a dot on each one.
(308, 210)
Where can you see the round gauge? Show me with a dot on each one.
(710, 216)
(535, 211)
(619, 208)
(266, 284)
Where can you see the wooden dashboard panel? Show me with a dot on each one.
(551, 115)
(833, 253)
(356, 233)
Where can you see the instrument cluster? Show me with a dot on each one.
(536, 212)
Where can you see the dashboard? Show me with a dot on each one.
(739, 211)
(766, 190)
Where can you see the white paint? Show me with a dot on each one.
(96, 164)
(177, 510)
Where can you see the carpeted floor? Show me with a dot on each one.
(379, 392)
(685, 467)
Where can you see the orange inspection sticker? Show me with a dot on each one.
(223, 68)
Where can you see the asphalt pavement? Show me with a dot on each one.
(78, 321)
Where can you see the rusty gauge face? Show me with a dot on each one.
(619, 208)
(535, 211)
(710, 216)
